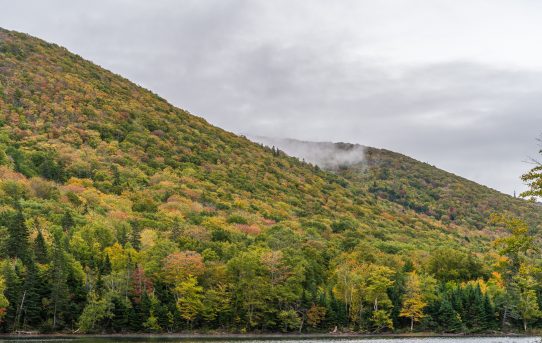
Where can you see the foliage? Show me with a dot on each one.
(121, 213)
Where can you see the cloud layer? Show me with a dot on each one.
(455, 85)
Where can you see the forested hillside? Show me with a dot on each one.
(122, 213)
(410, 183)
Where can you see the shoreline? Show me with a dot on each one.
(262, 336)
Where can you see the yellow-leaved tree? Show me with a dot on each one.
(413, 302)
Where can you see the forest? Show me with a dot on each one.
(120, 213)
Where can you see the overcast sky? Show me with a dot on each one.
(454, 83)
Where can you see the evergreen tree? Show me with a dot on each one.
(105, 266)
(17, 244)
(449, 320)
(121, 314)
(67, 221)
(59, 291)
(489, 314)
(34, 288)
(396, 294)
(134, 317)
(40, 249)
(480, 319)
(144, 310)
(13, 293)
(77, 297)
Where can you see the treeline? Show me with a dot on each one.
(76, 281)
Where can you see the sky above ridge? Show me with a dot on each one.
(457, 84)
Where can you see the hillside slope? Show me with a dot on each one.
(437, 193)
(120, 212)
(415, 185)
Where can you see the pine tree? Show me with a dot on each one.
(477, 305)
(77, 298)
(144, 309)
(31, 306)
(120, 320)
(135, 323)
(489, 314)
(13, 293)
(67, 221)
(40, 249)
(17, 244)
(105, 266)
(59, 291)
(116, 180)
(449, 319)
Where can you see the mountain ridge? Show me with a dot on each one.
(364, 166)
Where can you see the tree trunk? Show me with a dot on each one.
(411, 324)
(524, 325)
(19, 312)
(54, 317)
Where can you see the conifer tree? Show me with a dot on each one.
(40, 249)
(31, 312)
(17, 244)
(67, 221)
(13, 293)
(59, 291)
(489, 314)
(449, 319)
(105, 266)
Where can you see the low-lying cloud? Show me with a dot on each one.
(326, 155)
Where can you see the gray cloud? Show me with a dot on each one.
(389, 75)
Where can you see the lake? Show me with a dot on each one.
(287, 339)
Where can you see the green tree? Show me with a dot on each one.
(518, 249)
(526, 301)
(40, 249)
(448, 318)
(189, 299)
(67, 221)
(17, 244)
(381, 319)
(34, 290)
(13, 292)
(58, 275)
(449, 264)
(96, 310)
(217, 303)
(289, 319)
(151, 324)
(250, 287)
(378, 283)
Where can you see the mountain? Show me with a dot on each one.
(410, 183)
(122, 213)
